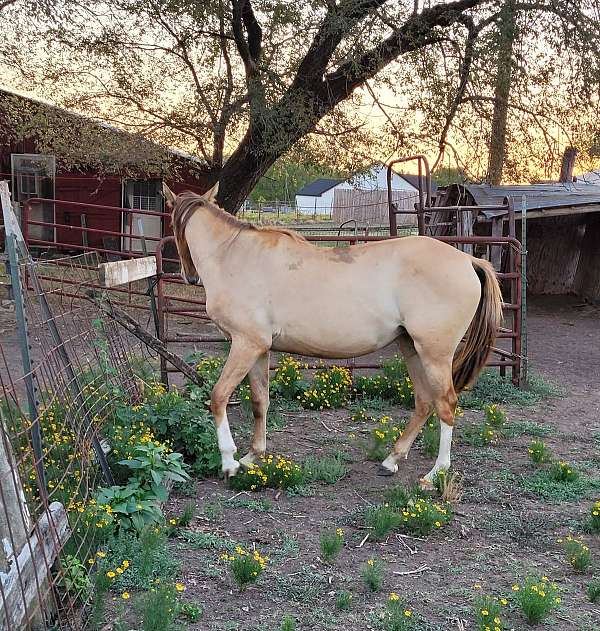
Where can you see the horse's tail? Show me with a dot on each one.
(472, 354)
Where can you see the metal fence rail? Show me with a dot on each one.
(177, 303)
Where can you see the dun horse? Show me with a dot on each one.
(270, 289)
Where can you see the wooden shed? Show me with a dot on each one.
(563, 230)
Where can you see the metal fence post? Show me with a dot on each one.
(524, 355)
(32, 404)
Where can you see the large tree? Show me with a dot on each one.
(240, 83)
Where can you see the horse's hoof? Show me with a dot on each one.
(381, 470)
(426, 485)
(231, 471)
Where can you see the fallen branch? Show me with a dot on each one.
(126, 321)
(419, 570)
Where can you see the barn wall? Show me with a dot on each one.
(553, 251)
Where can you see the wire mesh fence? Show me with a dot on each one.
(69, 375)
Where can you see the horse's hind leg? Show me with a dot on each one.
(438, 370)
(423, 407)
(242, 357)
(259, 389)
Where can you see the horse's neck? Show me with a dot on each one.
(207, 236)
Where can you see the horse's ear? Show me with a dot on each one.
(169, 196)
(211, 194)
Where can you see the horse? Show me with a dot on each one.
(269, 289)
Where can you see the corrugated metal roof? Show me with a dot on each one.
(539, 196)
(318, 187)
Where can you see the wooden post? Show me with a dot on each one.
(496, 250)
(568, 164)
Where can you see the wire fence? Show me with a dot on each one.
(58, 387)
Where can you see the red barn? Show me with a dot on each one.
(52, 153)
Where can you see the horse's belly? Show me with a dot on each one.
(340, 341)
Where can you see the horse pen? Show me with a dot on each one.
(106, 526)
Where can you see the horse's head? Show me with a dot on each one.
(183, 207)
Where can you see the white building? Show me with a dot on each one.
(317, 197)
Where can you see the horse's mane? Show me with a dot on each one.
(187, 203)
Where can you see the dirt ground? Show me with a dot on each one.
(501, 531)
(500, 534)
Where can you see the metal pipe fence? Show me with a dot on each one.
(176, 301)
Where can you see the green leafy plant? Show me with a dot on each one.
(159, 608)
(74, 577)
(192, 612)
(421, 516)
(130, 506)
(383, 436)
(287, 382)
(288, 623)
(155, 465)
(488, 611)
(593, 590)
(593, 522)
(330, 544)
(145, 554)
(343, 600)
(495, 416)
(536, 598)
(372, 574)
(271, 472)
(246, 567)
(430, 436)
(397, 616)
(330, 388)
(539, 452)
(381, 520)
(563, 472)
(328, 470)
(577, 553)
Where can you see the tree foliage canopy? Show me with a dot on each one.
(240, 83)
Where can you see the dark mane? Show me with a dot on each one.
(187, 203)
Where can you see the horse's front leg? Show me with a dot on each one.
(259, 388)
(242, 357)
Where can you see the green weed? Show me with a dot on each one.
(577, 553)
(270, 472)
(381, 520)
(330, 388)
(343, 600)
(159, 608)
(539, 452)
(593, 590)
(208, 541)
(488, 611)
(543, 484)
(397, 616)
(288, 623)
(563, 472)
(328, 470)
(430, 436)
(593, 523)
(330, 544)
(190, 611)
(536, 598)
(372, 575)
(187, 514)
(491, 387)
(246, 567)
(257, 505)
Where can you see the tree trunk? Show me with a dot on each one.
(506, 40)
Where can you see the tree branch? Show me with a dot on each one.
(418, 31)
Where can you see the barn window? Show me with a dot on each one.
(33, 175)
(143, 195)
